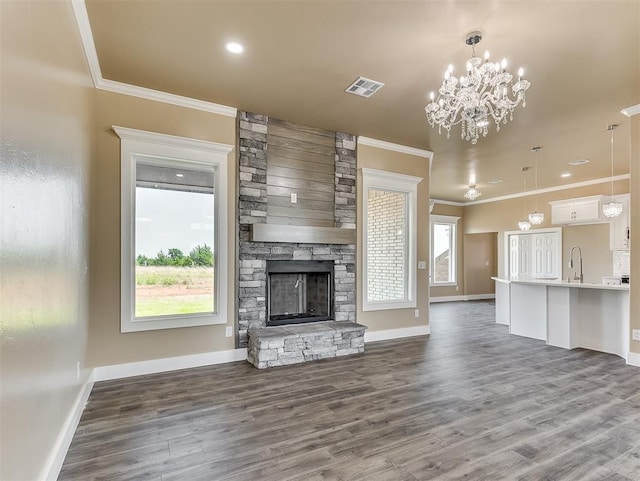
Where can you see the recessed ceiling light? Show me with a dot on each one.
(565, 175)
(234, 47)
(579, 162)
(494, 181)
(179, 175)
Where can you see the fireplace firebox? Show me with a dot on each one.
(299, 291)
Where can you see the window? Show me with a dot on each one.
(173, 231)
(443, 250)
(389, 257)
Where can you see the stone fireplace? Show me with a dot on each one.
(299, 291)
(260, 206)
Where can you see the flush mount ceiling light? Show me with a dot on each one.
(472, 193)
(612, 208)
(579, 162)
(524, 225)
(536, 218)
(234, 47)
(494, 181)
(473, 98)
(565, 175)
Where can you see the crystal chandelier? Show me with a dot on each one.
(473, 193)
(524, 225)
(612, 208)
(536, 217)
(471, 99)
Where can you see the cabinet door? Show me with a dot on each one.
(514, 257)
(562, 214)
(545, 255)
(587, 211)
(524, 256)
(619, 228)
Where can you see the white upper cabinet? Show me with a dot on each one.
(619, 226)
(583, 210)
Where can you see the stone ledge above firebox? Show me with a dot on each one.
(292, 344)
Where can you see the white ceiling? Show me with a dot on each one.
(582, 58)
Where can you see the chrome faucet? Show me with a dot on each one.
(576, 277)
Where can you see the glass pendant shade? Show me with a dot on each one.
(536, 218)
(524, 225)
(612, 209)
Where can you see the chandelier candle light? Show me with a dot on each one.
(472, 98)
(536, 217)
(612, 208)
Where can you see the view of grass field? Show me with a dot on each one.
(166, 290)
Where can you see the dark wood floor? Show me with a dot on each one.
(470, 402)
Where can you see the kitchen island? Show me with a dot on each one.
(566, 314)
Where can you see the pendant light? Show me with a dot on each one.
(536, 217)
(524, 224)
(612, 208)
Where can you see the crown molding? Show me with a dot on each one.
(167, 98)
(556, 188)
(84, 27)
(172, 140)
(404, 149)
(631, 111)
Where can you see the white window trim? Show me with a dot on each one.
(138, 143)
(406, 184)
(444, 219)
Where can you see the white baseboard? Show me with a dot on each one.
(471, 297)
(61, 447)
(140, 368)
(373, 336)
(633, 359)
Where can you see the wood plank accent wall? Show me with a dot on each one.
(301, 160)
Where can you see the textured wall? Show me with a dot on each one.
(44, 170)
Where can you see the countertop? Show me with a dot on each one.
(563, 283)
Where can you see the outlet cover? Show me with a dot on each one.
(229, 331)
(636, 334)
(417, 312)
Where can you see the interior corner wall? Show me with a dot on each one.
(458, 289)
(390, 161)
(107, 345)
(47, 141)
(634, 286)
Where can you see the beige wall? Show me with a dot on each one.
(457, 290)
(634, 293)
(480, 263)
(107, 345)
(386, 160)
(504, 215)
(47, 135)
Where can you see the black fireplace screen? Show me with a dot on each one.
(299, 291)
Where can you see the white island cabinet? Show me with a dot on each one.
(567, 315)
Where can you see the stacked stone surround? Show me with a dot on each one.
(252, 209)
(279, 346)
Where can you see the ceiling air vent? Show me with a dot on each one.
(364, 87)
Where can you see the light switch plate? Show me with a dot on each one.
(294, 198)
(636, 334)
(229, 331)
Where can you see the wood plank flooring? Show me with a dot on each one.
(469, 402)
